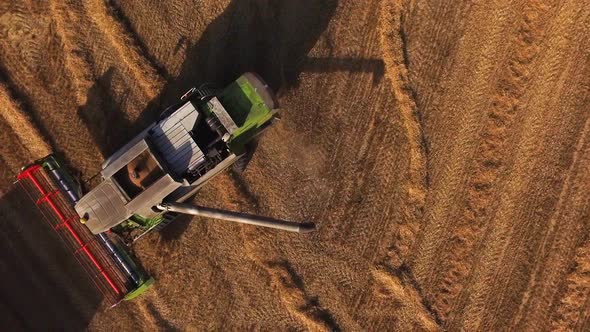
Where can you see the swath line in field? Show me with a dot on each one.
(75, 64)
(117, 13)
(413, 309)
(22, 126)
(126, 47)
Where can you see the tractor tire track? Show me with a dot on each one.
(508, 259)
(489, 164)
(437, 46)
(469, 66)
(126, 46)
(415, 308)
(395, 57)
(557, 243)
(351, 149)
(572, 309)
(371, 129)
(498, 284)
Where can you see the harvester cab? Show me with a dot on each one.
(146, 182)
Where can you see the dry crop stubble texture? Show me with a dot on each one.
(441, 148)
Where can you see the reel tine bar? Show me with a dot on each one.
(62, 216)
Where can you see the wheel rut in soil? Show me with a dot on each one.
(393, 43)
(490, 162)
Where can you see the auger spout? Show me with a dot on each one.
(237, 217)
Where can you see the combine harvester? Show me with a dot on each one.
(145, 183)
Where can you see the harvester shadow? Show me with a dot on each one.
(311, 305)
(40, 286)
(323, 65)
(103, 117)
(271, 38)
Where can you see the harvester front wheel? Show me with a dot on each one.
(203, 93)
(169, 110)
(240, 165)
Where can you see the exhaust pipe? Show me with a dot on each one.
(242, 218)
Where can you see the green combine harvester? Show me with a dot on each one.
(145, 183)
